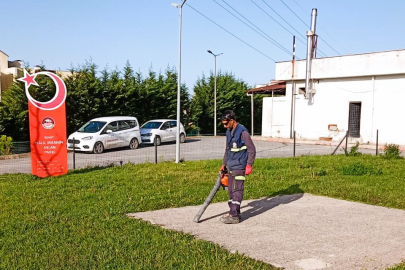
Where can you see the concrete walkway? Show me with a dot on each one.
(323, 142)
(299, 231)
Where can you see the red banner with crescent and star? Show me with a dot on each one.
(47, 122)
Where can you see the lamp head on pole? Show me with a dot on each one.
(209, 51)
(178, 5)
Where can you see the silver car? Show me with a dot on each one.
(164, 130)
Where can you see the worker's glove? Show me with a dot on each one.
(222, 168)
(248, 169)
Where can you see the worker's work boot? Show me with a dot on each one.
(227, 219)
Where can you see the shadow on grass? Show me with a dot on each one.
(89, 169)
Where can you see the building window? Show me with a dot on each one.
(354, 119)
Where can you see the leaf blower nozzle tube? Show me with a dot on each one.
(209, 198)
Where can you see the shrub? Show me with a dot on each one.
(5, 145)
(316, 174)
(360, 169)
(354, 151)
(392, 151)
(321, 172)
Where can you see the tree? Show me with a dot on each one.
(14, 112)
(134, 104)
(160, 92)
(90, 96)
(85, 99)
(230, 96)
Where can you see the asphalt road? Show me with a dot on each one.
(195, 148)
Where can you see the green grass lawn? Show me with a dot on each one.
(78, 221)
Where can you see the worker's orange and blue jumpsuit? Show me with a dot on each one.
(240, 151)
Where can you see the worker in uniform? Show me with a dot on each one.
(240, 153)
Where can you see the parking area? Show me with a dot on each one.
(194, 148)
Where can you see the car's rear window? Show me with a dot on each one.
(132, 123)
(92, 127)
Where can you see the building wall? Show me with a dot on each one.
(3, 61)
(389, 109)
(6, 81)
(382, 105)
(8, 71)
(381, 95)
(3, 65)
(356, 65)
(274, 117)
(330, 106)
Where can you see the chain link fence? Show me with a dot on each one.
(194, 148)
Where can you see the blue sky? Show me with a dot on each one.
(60, 34)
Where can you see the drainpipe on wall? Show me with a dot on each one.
(313, 29)
(0, 83)
(310, 38)
(308, 75)
(292, 91)
(372, 110)
(272, 111)
(251, 110)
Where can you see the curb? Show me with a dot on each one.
(15, 156)
(318, 142)
(257, 138)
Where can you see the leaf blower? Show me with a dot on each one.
(222, 181)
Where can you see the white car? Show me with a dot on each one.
(164, 130)
(106, 133)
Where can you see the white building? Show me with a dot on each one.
(356, 93)
(8, 71)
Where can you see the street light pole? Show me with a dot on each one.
(215, 91)
(180, 7)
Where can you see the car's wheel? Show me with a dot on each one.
(134, 143)
(98, 148)
(182, 138)
(158, 141)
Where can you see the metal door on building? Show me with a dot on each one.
(354, 119)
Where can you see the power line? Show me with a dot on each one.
(306, 25)
(275, 20)
(283, 19)
(231, 34)
(294, 13)
(268, 37)
(281, 25)
(299, 6)
(324, 30)
(329, 45)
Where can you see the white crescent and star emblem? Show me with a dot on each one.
(60, 94)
